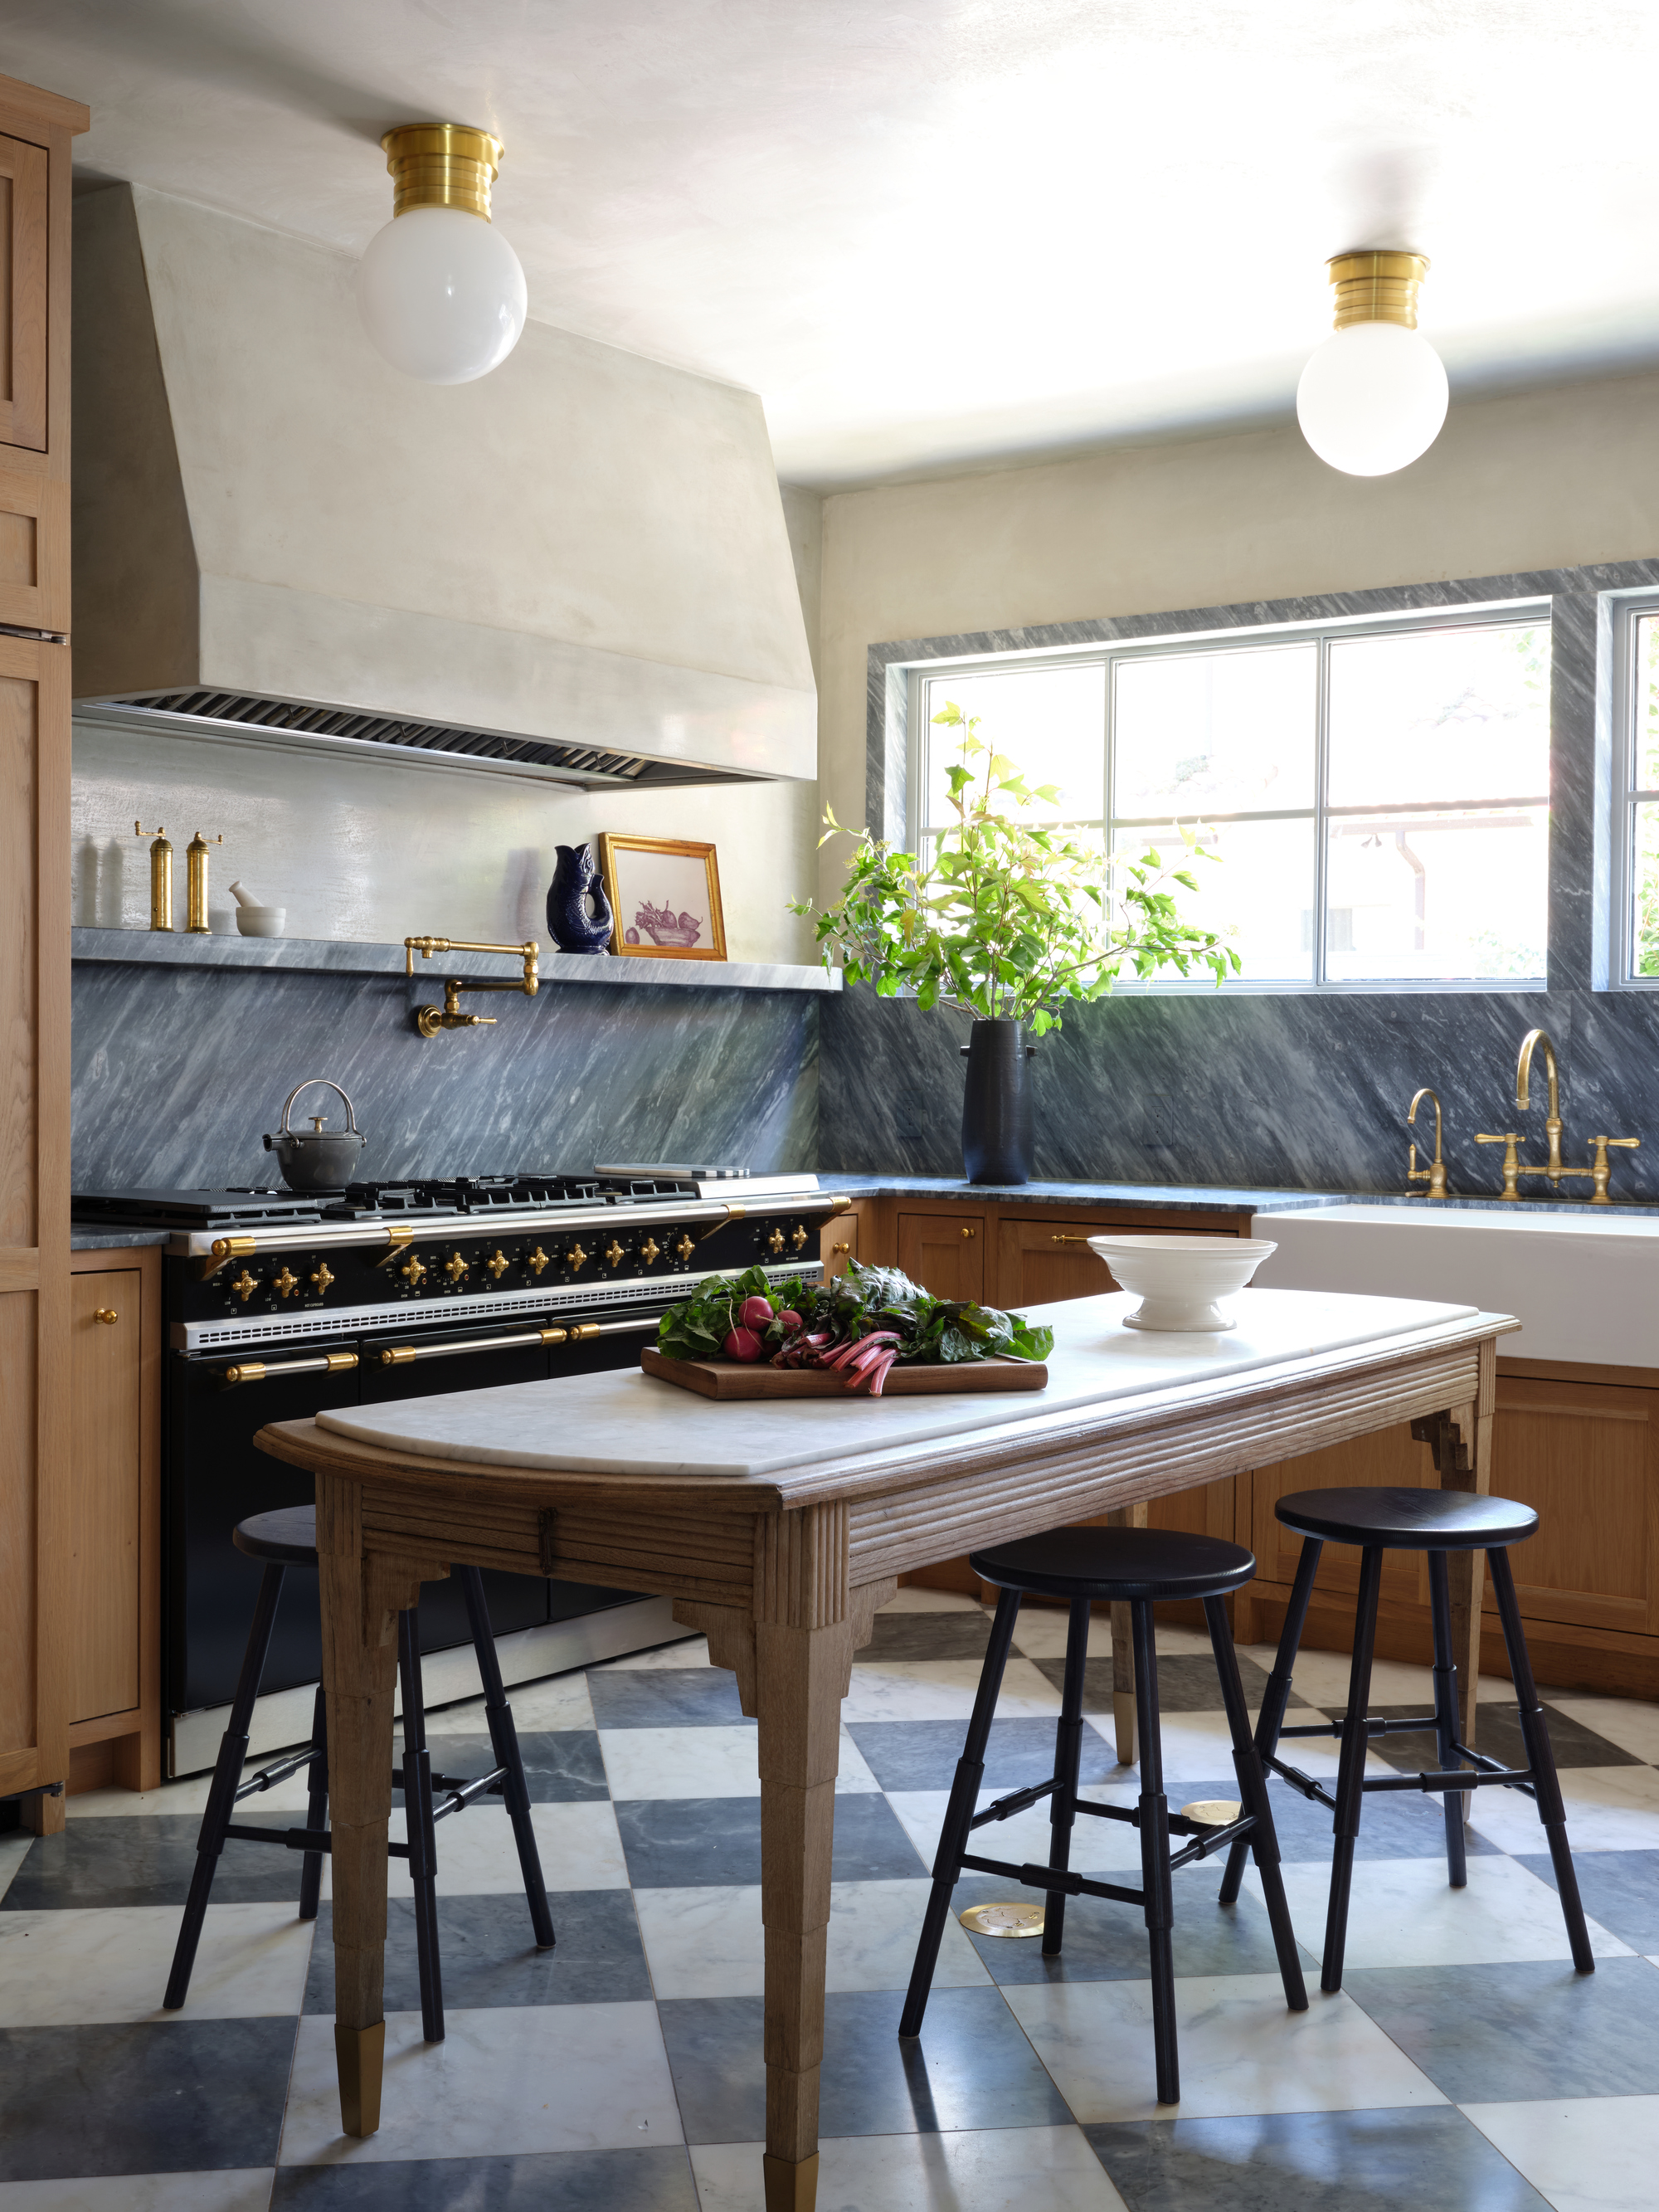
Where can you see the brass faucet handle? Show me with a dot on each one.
(1601, 1172)
(1511, 1162)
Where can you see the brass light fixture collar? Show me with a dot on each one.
(1376, 287)
(442, 164)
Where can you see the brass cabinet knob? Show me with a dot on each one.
(414, 1273)
(537, 1260)
(106, 1313)
(798, 1237)
(245, 1285)
(578, 1258)
(650, 1250)
(323, 1277)
(454, 1266)
(969, 1232)
(775, 1241)
(613, 1253)
(498, 1263)
(286, 1283)
(684, 1250)
(837, 1249)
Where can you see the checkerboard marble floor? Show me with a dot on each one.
(1464, 2068)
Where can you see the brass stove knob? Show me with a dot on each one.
(498, 1263)
(578, 1258)
(454, 1266)
(537, 1260)
(650, 1250)
(799, 1237)
(323, 1277)
(286, 1283)
(775, 1241)
(613, 1253)
(684, 1250)
(245, 1285)
(413, 1273)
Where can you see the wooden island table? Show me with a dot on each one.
(779, 1530)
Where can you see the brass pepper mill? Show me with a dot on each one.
(196, 887)
(161, 877)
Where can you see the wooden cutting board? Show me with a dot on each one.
(730, 1379)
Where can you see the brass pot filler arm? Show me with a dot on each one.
(429, 1020)
(1554, 1169)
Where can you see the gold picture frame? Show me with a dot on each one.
(658, 908)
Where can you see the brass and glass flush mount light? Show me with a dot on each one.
(439, 290)
(1373, 397)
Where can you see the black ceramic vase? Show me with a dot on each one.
(996, 1106)
(575, 881)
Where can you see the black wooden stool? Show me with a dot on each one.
(1137, 1566)
(1436, 1521)
(288, 1539)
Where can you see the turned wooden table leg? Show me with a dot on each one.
(360, 1668)
(1461, 1441)
(1123, 1656)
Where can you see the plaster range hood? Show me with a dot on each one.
(576, 569)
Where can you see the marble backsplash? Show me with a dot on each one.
(177, 1072)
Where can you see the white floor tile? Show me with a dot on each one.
(578, 1844)
(559, 1701)
(75, 1968)
(689, 1651)
(1097, 1846)
(708, 1942)
(1402, 1912)
(1242, 2050)
(1630, 1722)
(917, 1599)
(244, 2188)
(1041, 1632)
(943, 1689)
(504, 2081)
(1000, 2170)
(681, 1762)
(1321, 1678)
(852, 1775)
(1198, 1747)
(1609, 1809)
(13, 1850)
(190, 1795)
(1583, 2154)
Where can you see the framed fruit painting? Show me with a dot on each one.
(664, 895)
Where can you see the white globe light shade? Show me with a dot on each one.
(441, 294)
(1371, 398)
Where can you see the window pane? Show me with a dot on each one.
(1215, 732)
(1645, 945)
(1260, 889)
(1647, 705)
(1424, 897)
(1051, 722)
(1434, 716)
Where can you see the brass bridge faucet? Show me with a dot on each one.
(429, 1020)
(1598, 1173)
(1434, 1174)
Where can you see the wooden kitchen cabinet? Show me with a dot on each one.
(945, 1250)
(838, 1242)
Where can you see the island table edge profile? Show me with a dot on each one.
(785, 1573)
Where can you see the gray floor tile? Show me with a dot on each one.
(926, 1636)
(1395, 1825)
(1619, 1888)
(1526, 2029)
(923, 1754)
(1106, 1942)
(571, 2181)
(970, 2067)
(177, 2097)
(148, 1859)
(560, 1766)
(666, 1697)
(1426, 2160)
(488, 1955)
(698, 1843)
(1186, 1682)
(1498, 1735)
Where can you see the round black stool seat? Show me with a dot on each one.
(1408, 1520)
(288, 1536)
(1116, 1563)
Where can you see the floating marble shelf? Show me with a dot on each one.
(318, 955)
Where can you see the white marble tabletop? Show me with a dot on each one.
(627, 1423)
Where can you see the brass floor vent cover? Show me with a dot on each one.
(1003, 1919)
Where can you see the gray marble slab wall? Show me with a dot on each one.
(1306, 1088)
(177, 1073)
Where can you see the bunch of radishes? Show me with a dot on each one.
(757, 1318)
(762, 1330)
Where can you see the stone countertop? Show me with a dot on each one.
(1177, 1198)
(114, 1240)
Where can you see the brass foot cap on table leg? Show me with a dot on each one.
(359, 2058)
(791, 2187)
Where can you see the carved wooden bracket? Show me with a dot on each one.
(1450, 1437)
(392, 1583)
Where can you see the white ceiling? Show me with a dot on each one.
(939, 232)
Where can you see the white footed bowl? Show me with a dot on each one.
(261, 921)
(1178, 1279)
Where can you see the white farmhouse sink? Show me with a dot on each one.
(1584, 1286)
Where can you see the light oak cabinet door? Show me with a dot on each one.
(1042, 1260)
(34, 565)
(1389, 1459)
(23, 255)
(1585, 1457)
(945, 1252)
(104, 1533)
(838, 1242)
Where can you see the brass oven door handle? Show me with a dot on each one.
(403, 1355)
(257, 1370)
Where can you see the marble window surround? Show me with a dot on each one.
(1296, 1086)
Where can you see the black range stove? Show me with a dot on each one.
(281, 1305)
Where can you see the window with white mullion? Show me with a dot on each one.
(1639, 796)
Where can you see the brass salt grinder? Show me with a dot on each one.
(161, 877)
(195, 885)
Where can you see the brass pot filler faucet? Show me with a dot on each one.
(1554, 1169)
(429, 1020)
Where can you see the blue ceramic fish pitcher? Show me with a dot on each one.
(570, 924)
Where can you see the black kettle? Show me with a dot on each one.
(322, 1159)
